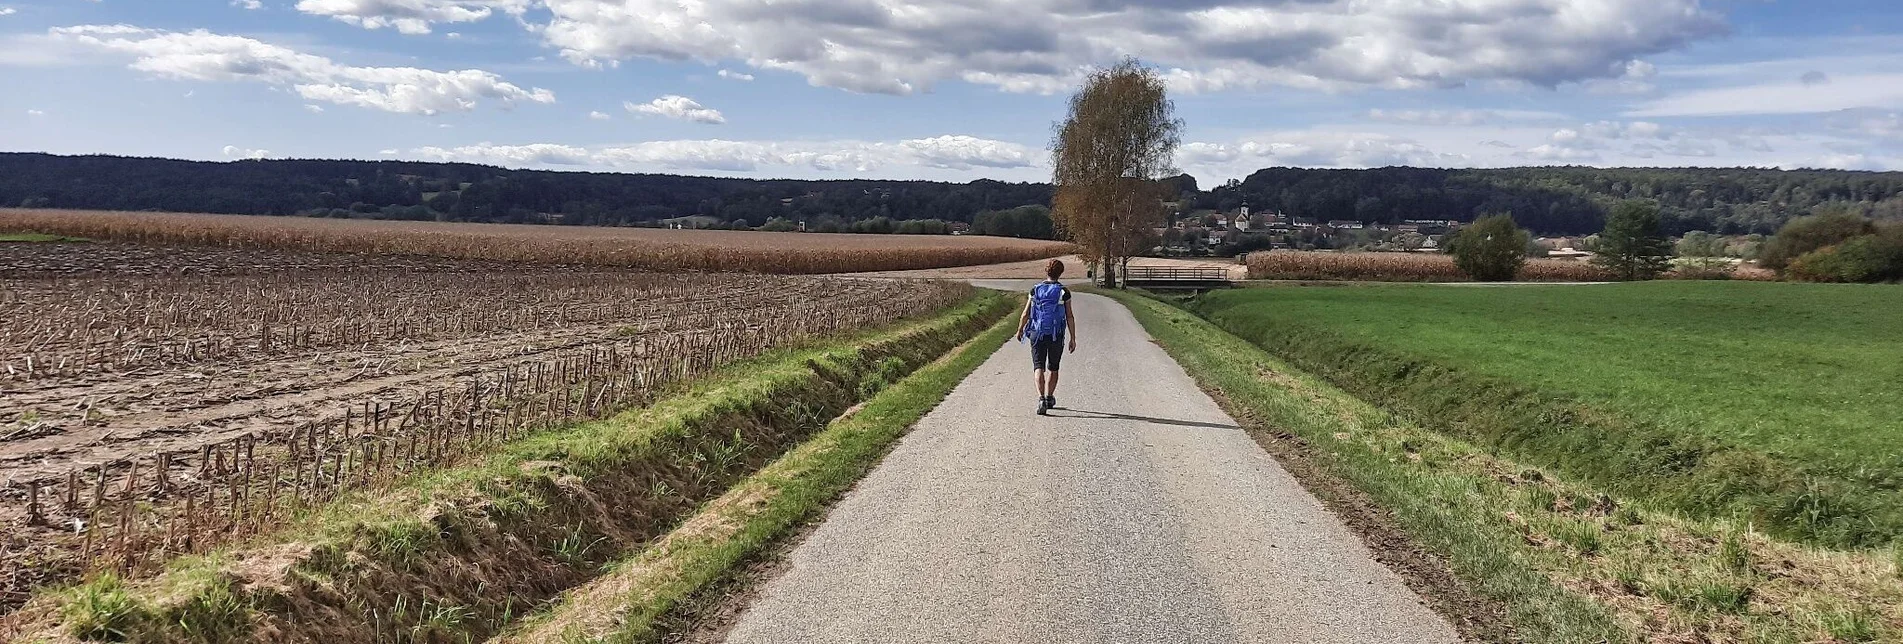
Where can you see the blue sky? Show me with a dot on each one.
(955, 89)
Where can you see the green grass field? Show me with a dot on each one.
(1780, 399)
(1561, 561)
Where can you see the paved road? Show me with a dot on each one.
(1139, 512)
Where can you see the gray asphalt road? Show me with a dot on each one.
(1138, 512)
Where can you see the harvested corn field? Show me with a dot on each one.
(146, 417)
(644, 248)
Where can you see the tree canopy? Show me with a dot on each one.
(1491, 249)
(1110, 163)
(1631, 246)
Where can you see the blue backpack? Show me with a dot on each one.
(1047, 311)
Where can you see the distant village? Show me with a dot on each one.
(1242, 230)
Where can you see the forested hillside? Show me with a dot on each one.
(466, 192)
(1566, 200)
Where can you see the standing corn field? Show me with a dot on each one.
(643, 248)
(1400, 267)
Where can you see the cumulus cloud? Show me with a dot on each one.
(733, 75)
(315, 109)
(958, 152)
(1846, 92)
(677, 107)
(1318, 149)
(1559, 153)
(1461, 117)
(902, 46)
(202, 55)
(248, 4)
(245, 153)
(599, 116)
(35, 113)
(410, 16)
(535, 153)
(7, 11)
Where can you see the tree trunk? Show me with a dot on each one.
(1109, 272)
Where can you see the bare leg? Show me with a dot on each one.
(1040, 383)
(1050, 385)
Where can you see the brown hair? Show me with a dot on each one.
(1054, 268)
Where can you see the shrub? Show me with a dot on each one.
(1492, 249)
(1868, 258)
(1806, 234)
(1704, 268)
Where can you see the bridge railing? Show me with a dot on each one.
(1138, 274)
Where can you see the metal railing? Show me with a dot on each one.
(1138, 274)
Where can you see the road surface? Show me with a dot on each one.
(1138, 512)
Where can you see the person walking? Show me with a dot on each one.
(1046, 322)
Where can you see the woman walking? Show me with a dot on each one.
(1046, 321)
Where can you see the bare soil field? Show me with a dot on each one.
(43, 260)
(646, 248)
(178, 398)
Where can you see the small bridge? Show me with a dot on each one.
(1178, 278)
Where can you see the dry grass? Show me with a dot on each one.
(647, 248)
(1400, 267)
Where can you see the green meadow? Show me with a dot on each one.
(1778, 401)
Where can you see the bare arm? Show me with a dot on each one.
(1024, 318)
(1070, 320)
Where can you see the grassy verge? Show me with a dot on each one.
(628, 604)
(1569, 563)
(459, 553)
(1718, 399)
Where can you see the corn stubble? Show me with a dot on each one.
(539, 349)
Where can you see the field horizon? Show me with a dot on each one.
(616, 246)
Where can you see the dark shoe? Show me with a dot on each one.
(1050, 402)
(1043, 405)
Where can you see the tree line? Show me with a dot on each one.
(1546, 201)
(1565, 200)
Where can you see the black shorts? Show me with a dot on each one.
(1047, 352)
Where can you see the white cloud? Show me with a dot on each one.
(537, 153)
(315, 109)
(733, 75)
(1311, 148)
(8, 11)
(248, 4)
(202, 55)
(599, 116)
(902, 46)
(410, 16)
(677, 107)
(955, 152)
(35, 113)
(1461, 117)
(389, 152)
(1559, 153)
(245, 153)
(1843, 92)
